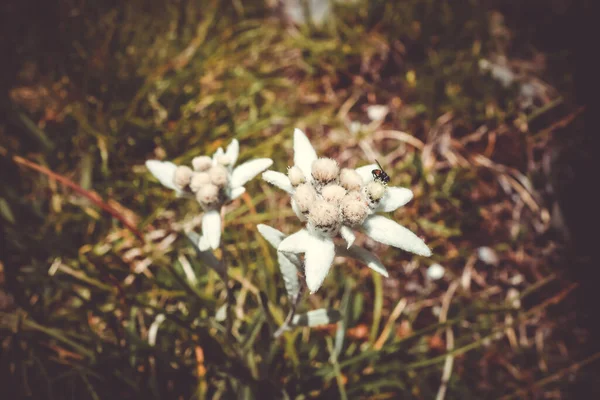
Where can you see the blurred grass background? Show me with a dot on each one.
(92, 245)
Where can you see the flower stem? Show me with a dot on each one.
(185, 285)
(288, 320)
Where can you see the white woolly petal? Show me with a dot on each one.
(203, 244)
(304, 153)
(249, 170)
(232, 152)
(275, 237)
(288, 262)
(366, 172)
(211, 228)
(348, 235)
(394, 198)
(317, 260)
(319, 317)
(296, 242)
(289, 265)
(164, 171)
(217, 154)
(278, 179)
(365, 256)
(297, 211)
(271, 235)
(389, 232)
(237, 192)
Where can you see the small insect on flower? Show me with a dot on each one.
(380, 175)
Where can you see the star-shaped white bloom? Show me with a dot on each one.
(212, 181)
(334, 201)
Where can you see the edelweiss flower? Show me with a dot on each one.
(333, 201)
(212, 181)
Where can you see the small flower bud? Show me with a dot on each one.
(182, 177)
(350, 179)
(354, 210)
(324, 217)
(374, 191)
(208, 195)
(333, 193)
(202, 163)
(296, 176)
(198, 180)
(304, 196)
(355, 195)
(224, 160)
(296, 209)
(219, 175)
(325, 170)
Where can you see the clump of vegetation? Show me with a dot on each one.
(107, 292)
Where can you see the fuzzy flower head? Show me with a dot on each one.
(334, 201)
(212, 181)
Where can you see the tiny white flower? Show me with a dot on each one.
(219, 175)
(213, 181)
(350, 179)
(375, 190)
(333, 193)
(333, 201)
(377, 112)
(183, 176)
(488, 255)
(198, 180)
(325, 170)
(208, 196)
(353, 209)
(202, 163)
(324, 218)
(296, 176)
(435, 272)
(304, 197)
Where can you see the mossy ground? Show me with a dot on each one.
(98, 88)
